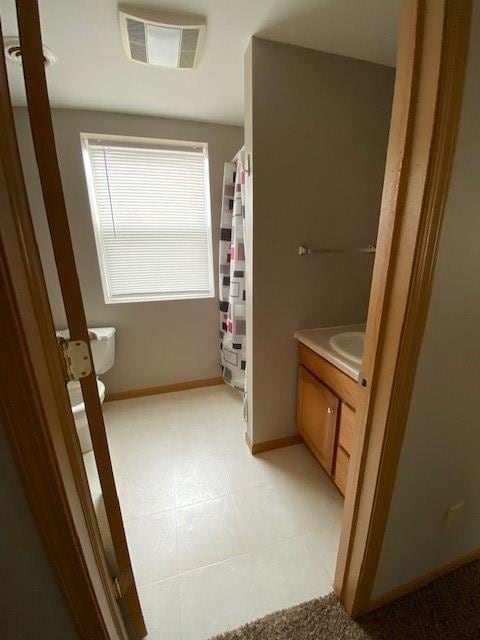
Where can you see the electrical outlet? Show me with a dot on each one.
(453, 515)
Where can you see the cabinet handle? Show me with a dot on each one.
(330, 410)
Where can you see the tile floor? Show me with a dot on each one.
(217, 536)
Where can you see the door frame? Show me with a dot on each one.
(431, 62)
(122, 579)
(432, 55)
(35, 409)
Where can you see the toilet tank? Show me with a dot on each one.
(103, 347)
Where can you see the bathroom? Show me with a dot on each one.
(219, 536)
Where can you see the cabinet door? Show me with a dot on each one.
(317, 417)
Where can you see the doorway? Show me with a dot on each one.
(350, 482)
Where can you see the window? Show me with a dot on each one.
(150, 205)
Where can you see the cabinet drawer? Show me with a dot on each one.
(317, 417)
(341, 469)
(347, 420)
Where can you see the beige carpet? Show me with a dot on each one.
(447, 609)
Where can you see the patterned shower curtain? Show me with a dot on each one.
(232, 274)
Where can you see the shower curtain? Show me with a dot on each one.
(232, 274)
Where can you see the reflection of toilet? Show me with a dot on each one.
(103, 352)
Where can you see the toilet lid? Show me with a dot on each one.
(102, 333)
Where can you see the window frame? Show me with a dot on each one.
(85, 138)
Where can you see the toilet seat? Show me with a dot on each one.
(76, 398)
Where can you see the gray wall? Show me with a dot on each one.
(31, 600)
(158, 343)
(440, 458)
(317, 125)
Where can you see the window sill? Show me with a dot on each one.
(172, 298)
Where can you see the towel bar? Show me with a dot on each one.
(303, 250)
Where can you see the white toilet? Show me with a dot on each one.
(103, 352)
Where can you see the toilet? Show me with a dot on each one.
(103, 352)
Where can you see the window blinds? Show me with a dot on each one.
(151, 212)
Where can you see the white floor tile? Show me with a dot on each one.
(312, 498)
(160, 603)
(296, 467)
(264, 516)
(200, 480)
(246, 471)
(193, 442)
(141, 453)
(146, 468)
(152, 544)
(229, 435)
(310, 508)
(329, 539)
(137, 500)
(218, 598)
(133, 418)
(290, 572)
(207, 532)
(217, 536)
(225, 595)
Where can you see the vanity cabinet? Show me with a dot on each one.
(326, 403)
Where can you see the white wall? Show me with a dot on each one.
(317, 127)
(440, 458)
(158, 343)
(32, 605)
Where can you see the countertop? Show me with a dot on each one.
(318, 340)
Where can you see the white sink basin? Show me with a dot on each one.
(349, 344)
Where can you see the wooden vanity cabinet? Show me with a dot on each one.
(326, 403)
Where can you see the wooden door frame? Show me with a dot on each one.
(35, 409)
(431, 62)
(56, 213)
(34, 406)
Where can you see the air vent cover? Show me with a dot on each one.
(13, 51)
(160, 38)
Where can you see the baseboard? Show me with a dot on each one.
(418, 583)
(169, 388)
(260, 447)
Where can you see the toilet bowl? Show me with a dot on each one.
(79, 414)
(102, 343)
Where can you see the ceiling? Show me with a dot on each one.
(93, 72)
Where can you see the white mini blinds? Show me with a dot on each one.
(150, 205)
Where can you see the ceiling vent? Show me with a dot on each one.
(13, 51)
(161, 38)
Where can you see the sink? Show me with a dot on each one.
(349, 344)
